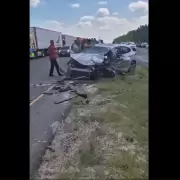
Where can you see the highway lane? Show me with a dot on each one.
(143, 53)
(143, 57)
(43, 112)
(39, 73)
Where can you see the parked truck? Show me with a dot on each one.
(67, 40)
(40, 39)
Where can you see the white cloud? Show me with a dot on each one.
(103, 12)
(85, 18)
(34, 3)
(102, 2)
(115, 13)
(101, 24)
(144, 17)
(75, 5)
(84, 24)
(140, 5)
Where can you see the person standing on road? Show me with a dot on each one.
(75, 47)
(52, 57)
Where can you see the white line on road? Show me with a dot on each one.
(39, 97)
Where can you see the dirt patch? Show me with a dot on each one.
(105, 137)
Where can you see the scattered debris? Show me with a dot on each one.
(40, 141)
(48, 93)
(50, 149)
(40, 84)
(64, 100)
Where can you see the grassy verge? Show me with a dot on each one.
(107, 136)
(129, 116)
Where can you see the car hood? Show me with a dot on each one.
(88, 59)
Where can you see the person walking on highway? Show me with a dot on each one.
(75, 47)
(53, 56)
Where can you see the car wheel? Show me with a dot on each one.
(69, 73)
(132, 68)
(112, 74)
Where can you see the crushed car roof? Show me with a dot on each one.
(110, 46)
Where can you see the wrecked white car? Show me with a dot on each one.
(101, 60)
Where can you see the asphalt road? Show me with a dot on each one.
(43, 112)
(39, 74)
(143, 56)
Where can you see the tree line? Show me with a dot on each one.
(139, 35)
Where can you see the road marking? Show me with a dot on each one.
(39, 97)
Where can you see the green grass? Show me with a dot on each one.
(129, 116)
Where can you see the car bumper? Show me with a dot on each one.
(78, 72)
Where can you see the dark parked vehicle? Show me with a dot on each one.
(138, 45)
(64, 51)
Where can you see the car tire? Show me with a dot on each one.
(69, 74)
(111, 74)
(132, 68)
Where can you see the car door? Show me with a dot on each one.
(111, 54)
(126, 51)
(114, 54)
(119, 52)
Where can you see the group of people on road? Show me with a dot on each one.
(80, 44)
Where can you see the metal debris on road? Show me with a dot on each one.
(40, 141)
(48, 93)
(64, 100)
(39, 85)
(50, 149)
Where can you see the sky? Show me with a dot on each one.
(106, 19)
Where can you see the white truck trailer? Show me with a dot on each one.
(67, 40)
(40, 40)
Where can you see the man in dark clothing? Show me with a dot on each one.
(52, 56)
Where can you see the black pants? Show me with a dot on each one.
(54, 64)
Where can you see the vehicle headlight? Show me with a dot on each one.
(68, 50)
(105, 57)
